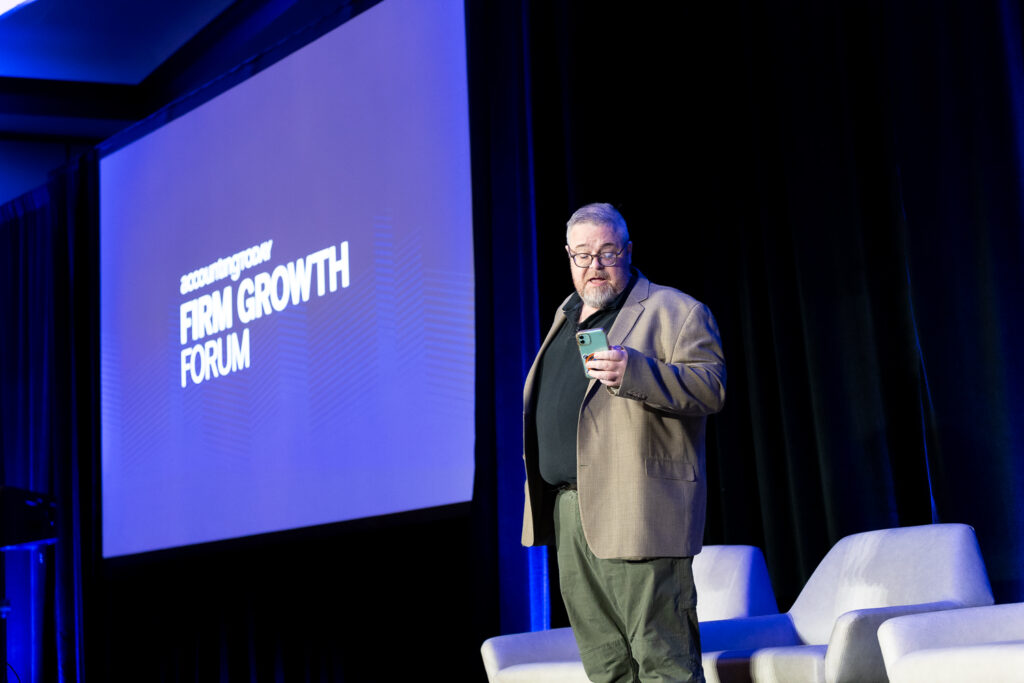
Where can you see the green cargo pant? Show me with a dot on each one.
(634, 620)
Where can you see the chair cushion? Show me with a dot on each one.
(727, 666)
(543, 672)
(1002, 662)
(951, 628)
(799, 664)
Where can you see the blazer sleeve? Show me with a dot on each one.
(690, 380)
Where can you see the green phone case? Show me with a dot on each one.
(590, 341)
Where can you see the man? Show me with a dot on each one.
(615, 465)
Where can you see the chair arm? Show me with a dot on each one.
(854, 655)
(746, 633)
(951, 628)
(555, 645)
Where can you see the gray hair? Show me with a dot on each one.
(599, 214)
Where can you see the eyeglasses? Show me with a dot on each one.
(605, 258)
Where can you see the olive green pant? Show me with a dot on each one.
(634, 620)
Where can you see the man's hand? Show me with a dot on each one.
(608, 366)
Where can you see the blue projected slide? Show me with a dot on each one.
(287, 327)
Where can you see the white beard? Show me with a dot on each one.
(600, 297)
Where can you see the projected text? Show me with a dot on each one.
(262, 294)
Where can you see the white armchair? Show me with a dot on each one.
(731, 581)
(983, 644)
(830, 634)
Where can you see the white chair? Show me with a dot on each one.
(983, 644)
(830, 634)
(731, 581)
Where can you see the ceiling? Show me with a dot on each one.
(69, 68)
(98, 41)
(74, 73)
(79, 71)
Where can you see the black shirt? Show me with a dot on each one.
(562, 386)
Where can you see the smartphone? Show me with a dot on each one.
(590, 342)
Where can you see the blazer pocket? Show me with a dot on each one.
(671, 469)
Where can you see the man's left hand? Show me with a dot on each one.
(608, 366)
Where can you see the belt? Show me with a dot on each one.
(565, 486)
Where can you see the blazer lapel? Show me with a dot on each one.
(631, 311)
(627, 318)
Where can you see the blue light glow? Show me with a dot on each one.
(11, 5)
(540, 603)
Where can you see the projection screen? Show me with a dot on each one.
(286, 294)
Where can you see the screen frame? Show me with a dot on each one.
(483, 417)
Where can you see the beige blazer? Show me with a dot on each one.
(640, 448)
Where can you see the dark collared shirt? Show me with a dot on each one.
(562, 385)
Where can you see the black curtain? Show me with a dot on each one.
(49, 352)
(26, 403)
(840, 182)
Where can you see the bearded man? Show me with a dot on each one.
(615, 463)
